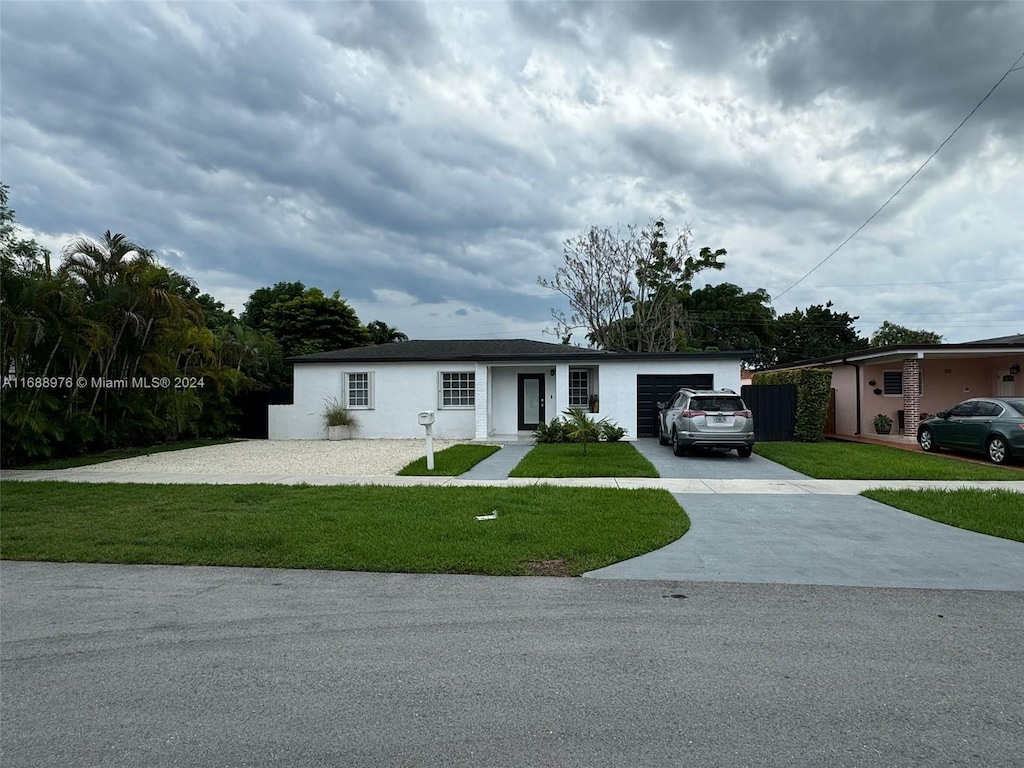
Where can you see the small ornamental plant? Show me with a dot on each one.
(883, 423)
(337, 415)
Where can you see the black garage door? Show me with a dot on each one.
(654, 389)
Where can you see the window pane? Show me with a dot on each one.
(358, 390)
(458, 390)
(579, 388)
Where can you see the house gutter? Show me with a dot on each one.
(857, 379)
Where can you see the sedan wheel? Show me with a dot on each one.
(997, 451)
(927, 440)
(677, 449)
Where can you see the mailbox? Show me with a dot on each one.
(426, 417)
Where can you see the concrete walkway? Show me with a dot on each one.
(689, 486)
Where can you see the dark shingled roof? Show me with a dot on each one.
(1015, 339)
(482, 350)
(446, 349)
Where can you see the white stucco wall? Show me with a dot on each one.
(402, 390)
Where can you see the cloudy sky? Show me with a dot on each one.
(428, 160)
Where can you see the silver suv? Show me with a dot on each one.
(706, 418)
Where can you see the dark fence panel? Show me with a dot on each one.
(252, 421)
(774, 409)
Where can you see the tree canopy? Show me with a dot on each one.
(315, 322)
(628, 291)
(890, 334)
(112, 348)
(815, 332)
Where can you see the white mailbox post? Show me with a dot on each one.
(426, 418)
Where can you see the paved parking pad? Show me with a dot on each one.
(825, 540)
(711, 465)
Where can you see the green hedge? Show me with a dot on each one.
(813, 386)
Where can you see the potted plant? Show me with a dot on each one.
(883, 424)
(339, 421)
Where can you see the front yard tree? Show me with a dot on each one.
(627, 292)
(890, 334)
(815, 332)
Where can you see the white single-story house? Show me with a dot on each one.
(906, 381)
(490, 388)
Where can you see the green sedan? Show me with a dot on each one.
(992, 425)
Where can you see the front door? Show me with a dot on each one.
(531, 400)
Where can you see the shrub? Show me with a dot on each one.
(611, 432)
(552, 432)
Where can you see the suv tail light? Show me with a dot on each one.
(690, 414)
(744, 414)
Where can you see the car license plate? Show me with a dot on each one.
(719, 419)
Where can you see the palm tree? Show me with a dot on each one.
(382, 333)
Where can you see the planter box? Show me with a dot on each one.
(883, 430)
(339, 433)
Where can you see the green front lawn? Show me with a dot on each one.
(453, 460)
(567, 460)
(995, 512)
(125, 453)
(860, 461)
(540, 530)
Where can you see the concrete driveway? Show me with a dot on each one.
(827, 540)
(711, 465)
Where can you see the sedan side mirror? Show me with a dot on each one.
(943, 414)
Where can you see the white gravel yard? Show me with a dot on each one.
(344, 458)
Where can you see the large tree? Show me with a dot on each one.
(890, 334)
(726, 317)
(815, 332)
(626, 292)
(254, 314)
(315, 322)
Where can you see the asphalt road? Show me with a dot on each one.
(169, 666)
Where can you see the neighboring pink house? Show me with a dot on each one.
(918, 378)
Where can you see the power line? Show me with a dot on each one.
(905, 183)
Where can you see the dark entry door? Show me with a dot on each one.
(531, 400)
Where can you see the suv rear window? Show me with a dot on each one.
(727, 404)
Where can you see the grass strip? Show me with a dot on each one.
(125, 453)
(539, 529)
(452, 461)
(859, 461)
(993, 511)
(568, 460)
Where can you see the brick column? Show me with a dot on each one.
(911, 396)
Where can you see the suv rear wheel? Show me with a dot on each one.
(744, 453)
